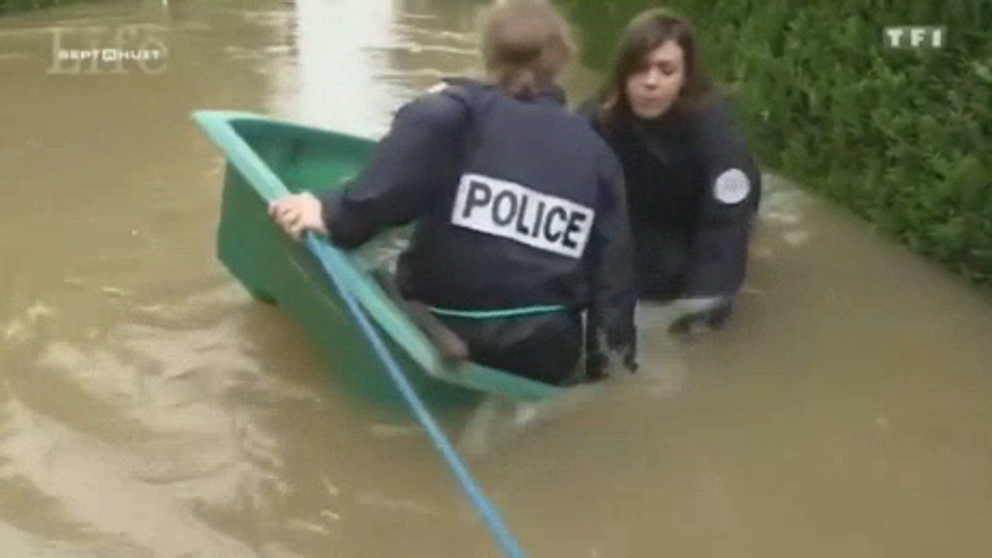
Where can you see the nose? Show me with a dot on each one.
(652, 78)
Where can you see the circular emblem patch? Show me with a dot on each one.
(732, 186)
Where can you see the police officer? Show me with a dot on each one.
(693, 186)
(522, 221)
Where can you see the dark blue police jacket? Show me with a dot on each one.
(516, 203)
(693, 188)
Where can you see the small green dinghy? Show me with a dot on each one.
(268, 159)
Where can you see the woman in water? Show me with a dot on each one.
(692, 183)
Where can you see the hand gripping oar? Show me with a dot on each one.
(488, 512)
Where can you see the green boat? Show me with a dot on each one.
(267, 159)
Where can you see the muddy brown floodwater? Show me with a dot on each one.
(149, 408)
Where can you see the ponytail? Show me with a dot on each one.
(522, 84)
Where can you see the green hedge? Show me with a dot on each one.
(902, 138)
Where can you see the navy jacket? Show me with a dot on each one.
(516, 204)
(693, 188)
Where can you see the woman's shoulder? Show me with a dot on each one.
(448, 103)
(719, 113)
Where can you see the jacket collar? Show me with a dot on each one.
(552, 94)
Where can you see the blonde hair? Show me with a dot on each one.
(526, 44)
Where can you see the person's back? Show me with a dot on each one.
(523, 208)
(520, 210)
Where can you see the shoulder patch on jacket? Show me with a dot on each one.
(732, 186)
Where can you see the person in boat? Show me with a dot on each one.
(693, 185)
(521, 216)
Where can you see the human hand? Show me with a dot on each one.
(613, 363)
(298, 213)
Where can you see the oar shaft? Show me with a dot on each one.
(472, 489)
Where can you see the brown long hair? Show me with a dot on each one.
(526, 44)
(646, 32)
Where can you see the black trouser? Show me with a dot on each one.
(544, 347)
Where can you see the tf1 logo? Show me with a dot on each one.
(915, 36)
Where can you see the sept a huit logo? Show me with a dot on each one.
(105, 50)
(915, 36)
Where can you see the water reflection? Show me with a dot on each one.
(149, 407)
(332, 82)
(356, 66)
